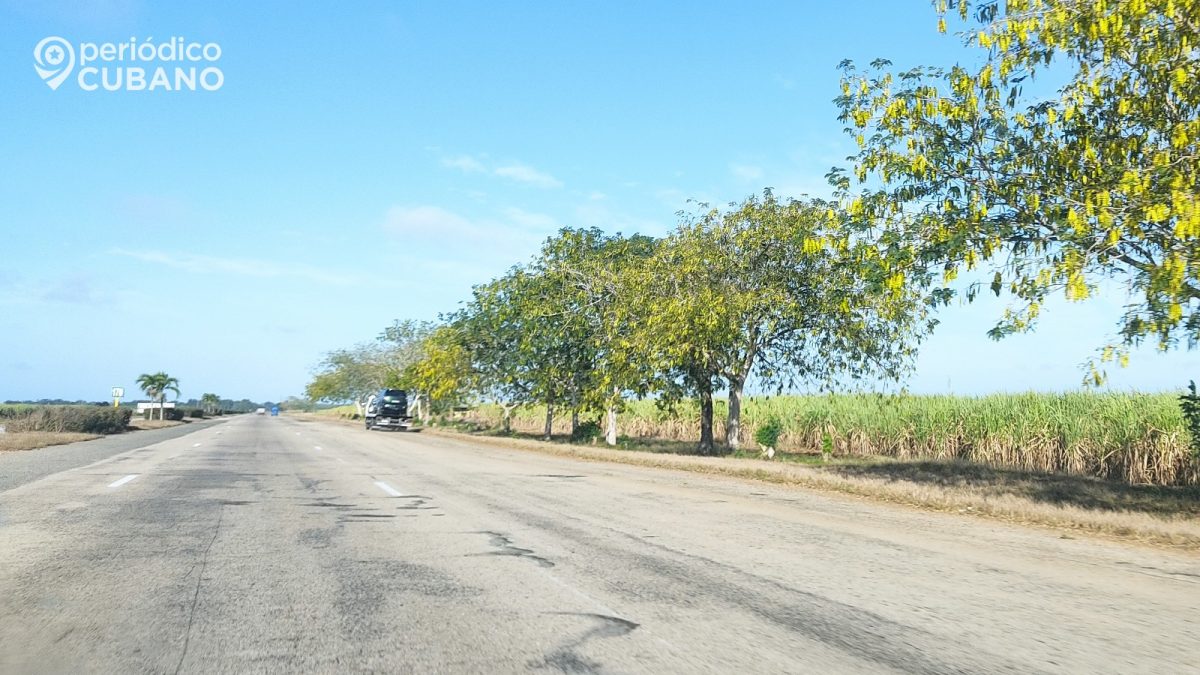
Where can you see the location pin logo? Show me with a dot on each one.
(53, 59)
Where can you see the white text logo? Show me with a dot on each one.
(174, 64)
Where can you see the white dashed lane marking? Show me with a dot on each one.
(387, 488)
(118, 483)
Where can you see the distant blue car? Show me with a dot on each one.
(275, 411)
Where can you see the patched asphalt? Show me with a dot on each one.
(273, 545)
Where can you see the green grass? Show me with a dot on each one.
(1135, 438)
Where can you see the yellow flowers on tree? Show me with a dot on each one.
(1048, 192)
(772, 288)
(441, 373)
(589, 276)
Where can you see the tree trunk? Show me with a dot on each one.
(733, 426)
(610, 434)
(549, 432)
(162, 407)
(574, 422)
(506, 421)
(706, 418)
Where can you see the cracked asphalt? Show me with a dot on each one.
(267, 544)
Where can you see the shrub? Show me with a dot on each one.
(195, 413)
(586, 431)
(767, 435)
(1190, 404)
(76, 419)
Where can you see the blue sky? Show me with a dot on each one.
(371, 161)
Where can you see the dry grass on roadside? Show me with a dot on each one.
(1160, 516)
(139, 423)
(1125, 436)
(32, 440)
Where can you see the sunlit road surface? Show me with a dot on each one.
(272, 545)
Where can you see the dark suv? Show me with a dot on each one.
(388, 409)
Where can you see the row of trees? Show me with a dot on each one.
(956, 170)
(354, 373)
(777, 289)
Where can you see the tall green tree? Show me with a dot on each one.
(776, 289)
(355, 373)
(156, 386)
(351, 374)
(522, 342)
(490, 329)
(547, 332)
(980, 168)
(442, 374)
(586, 276)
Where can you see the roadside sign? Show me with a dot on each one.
(117, 394)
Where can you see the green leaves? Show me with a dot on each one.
(156, 386)
(356, 372)
(957, 168)
(776, 289)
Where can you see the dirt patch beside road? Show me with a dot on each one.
(32, 440)
(139, 423)
(1168, 517)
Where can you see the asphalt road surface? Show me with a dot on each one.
(273, 545)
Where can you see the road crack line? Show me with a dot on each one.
(187, 638)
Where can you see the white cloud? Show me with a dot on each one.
(523, 173)
(464, 163)
(516, 171)
(249, 267)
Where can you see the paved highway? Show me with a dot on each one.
(274, 545)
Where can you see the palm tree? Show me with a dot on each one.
(156, 386)
(210, 402)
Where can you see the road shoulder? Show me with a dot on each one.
(1177, 531)
(19, 468)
